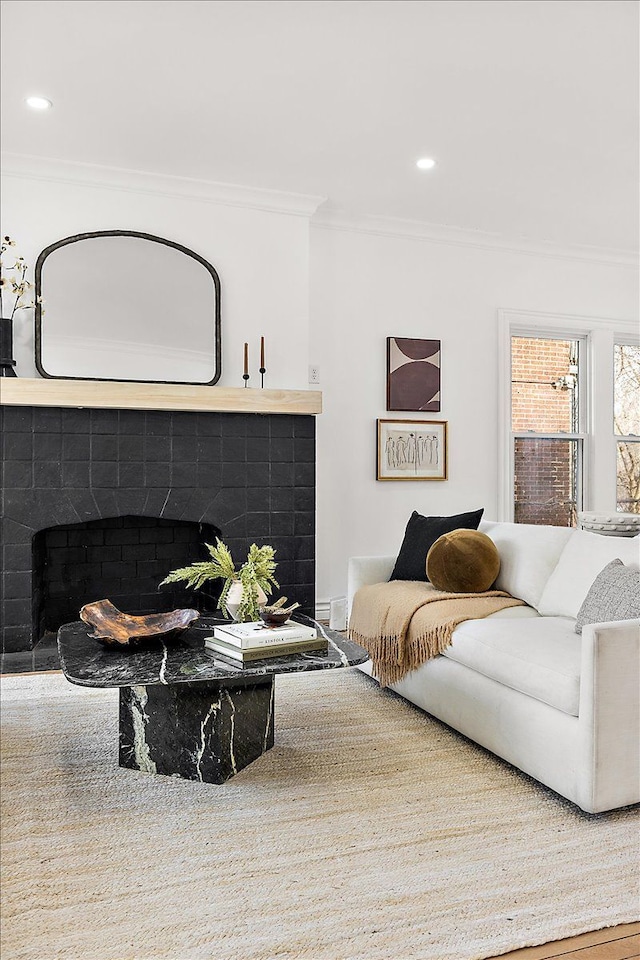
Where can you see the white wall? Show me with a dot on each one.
(367, 287)
(331, 297)
(262, 259)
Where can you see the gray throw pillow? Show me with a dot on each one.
(613, 595)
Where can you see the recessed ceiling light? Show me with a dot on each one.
(38, 103)
(425, 163)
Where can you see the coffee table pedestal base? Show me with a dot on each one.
(199, 731)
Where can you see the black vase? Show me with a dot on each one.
(7, 363)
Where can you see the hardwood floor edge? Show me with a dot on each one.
(567, 945)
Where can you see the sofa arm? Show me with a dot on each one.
(365, 570)
(610, 714)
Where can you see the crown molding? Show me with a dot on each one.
(139, 181)
(397, 228)
(122, 179)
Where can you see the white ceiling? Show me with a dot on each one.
(529, 106)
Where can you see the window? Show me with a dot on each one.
(626, 424)
(565, 381)
(546, 421)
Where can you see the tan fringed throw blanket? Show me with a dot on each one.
(404, 623)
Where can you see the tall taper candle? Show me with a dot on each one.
(263, 369)
(245, 375)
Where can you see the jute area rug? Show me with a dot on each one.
(370, 832)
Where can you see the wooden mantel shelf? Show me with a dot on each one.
(155, 396)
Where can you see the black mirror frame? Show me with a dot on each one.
(217, 343)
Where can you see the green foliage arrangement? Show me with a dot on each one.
(257, 572)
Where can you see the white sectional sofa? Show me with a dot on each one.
(562, 707)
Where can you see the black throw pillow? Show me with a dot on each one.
(419, 537)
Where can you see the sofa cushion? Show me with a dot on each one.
(514, 613)
(528, 556)
(538, 656)
(421, 533)
(581, 561)
(463, 561)
(613, 595)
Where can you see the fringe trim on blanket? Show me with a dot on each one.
(389, 664)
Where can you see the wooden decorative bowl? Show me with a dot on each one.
(274, 618)
(117, 629)
(275, 614)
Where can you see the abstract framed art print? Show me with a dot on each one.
(412, 450)
(413, 374)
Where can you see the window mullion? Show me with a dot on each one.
(535, 435)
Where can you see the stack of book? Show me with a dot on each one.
(246, 642)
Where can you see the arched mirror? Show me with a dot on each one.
(122, 305)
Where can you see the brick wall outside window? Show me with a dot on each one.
(544, 488)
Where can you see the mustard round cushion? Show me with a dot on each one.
(463, 561)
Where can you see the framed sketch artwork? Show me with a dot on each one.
(412, 450)
(413, 374)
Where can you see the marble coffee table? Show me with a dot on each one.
(183, 712)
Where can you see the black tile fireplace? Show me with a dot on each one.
(102, 503)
